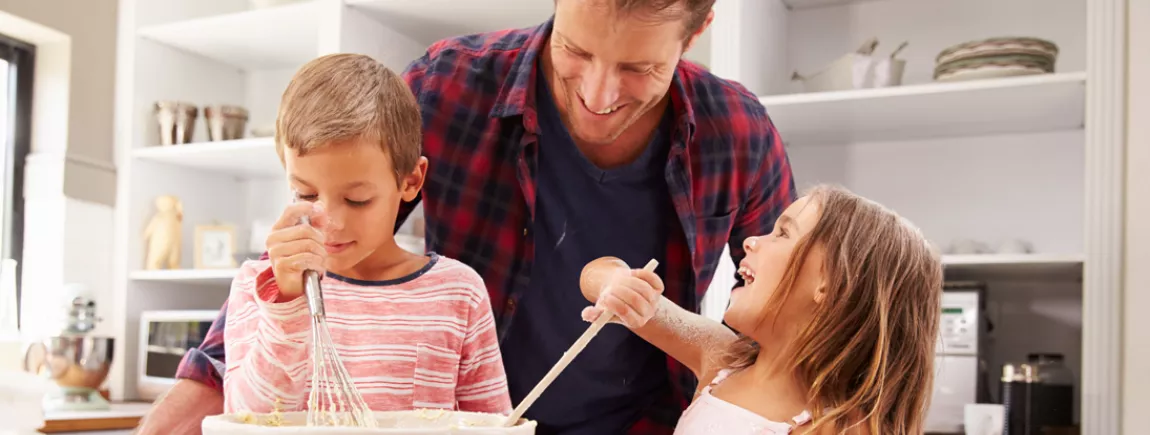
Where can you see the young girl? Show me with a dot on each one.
(837, 325)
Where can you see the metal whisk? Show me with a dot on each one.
(334, 400)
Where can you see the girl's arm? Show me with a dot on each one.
(690, 338)
(267, 344)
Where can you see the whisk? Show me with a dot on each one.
(334, 400)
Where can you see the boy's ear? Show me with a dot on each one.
(413, 181)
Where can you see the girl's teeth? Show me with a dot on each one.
(606, 111)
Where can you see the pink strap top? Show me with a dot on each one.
(712, 415)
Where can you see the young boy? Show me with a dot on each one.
(414, 331)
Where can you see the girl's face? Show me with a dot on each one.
(763, 269)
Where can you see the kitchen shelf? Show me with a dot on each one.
(245, 158)
(1000, 266)
(1048, 102)
(427, 21)
(190, 276)
(270, 38)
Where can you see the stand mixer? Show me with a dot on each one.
(78, 363)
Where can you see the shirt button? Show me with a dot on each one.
(510, 305)
(525, 231)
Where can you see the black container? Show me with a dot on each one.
(1038, 396)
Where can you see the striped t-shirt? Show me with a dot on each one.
(423, 341)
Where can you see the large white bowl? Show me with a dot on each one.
(418, 422)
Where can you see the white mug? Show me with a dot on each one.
(983, 418)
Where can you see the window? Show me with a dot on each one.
(16, 61)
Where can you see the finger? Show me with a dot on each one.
(292, 234)
(319, 217)
(292, 214)
(296, 247)
(650, 278)
(643, 289)
(627, 315)
(297, 264)
(591, 314)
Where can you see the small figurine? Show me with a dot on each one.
(162, 235)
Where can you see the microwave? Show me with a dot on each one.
(165, 337)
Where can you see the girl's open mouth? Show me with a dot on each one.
(747, 274)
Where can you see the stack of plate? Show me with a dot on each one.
(995, 57)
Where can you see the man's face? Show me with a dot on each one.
(611, 68)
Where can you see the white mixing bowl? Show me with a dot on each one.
(418, 422)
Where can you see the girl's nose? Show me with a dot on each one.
(750, 244)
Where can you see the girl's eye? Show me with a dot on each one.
(782, 232)
(307, 197)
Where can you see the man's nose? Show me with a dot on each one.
(600, 88)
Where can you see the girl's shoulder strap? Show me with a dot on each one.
(719, 377)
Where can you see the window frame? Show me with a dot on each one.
(21, 58)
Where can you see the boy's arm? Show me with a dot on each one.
(482, 385)
(691, 339)
(267, 338)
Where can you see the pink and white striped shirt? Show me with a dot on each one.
(423, 341)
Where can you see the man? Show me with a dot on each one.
(551, 146)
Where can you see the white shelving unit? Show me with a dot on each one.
(1034, 159)
(990, 161)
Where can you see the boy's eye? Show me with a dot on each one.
(358, 203)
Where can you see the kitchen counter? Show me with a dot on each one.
(121, 419)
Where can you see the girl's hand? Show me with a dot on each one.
(631, 294)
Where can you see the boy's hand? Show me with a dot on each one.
(294, 247)
(631, 294)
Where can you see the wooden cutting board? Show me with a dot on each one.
(122, 416)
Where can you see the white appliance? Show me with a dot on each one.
(165, 336)
(960, 357)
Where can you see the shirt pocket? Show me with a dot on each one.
(436, 374)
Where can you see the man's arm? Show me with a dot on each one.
(199, 391)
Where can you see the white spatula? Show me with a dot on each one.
(565, 360)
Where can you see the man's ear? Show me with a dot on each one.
(413, 181)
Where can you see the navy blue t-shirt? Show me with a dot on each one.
(582, 213)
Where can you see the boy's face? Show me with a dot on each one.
(358, 188)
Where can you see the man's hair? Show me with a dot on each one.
(342, 97)
(694, 12)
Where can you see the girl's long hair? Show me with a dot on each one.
(867, 353)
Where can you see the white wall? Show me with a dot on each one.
(1136, 364)
(69, 179)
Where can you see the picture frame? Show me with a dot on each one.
(215, 247)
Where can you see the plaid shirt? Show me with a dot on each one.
(727, 172)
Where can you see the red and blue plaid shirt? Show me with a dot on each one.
(727, 172)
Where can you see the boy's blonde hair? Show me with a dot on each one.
(340, 97)
(868, 351)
